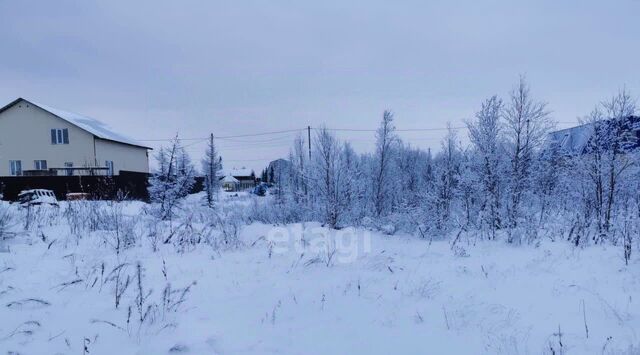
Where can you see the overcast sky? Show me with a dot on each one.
(152, 68)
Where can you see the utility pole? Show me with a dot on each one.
(211, 160)
(211, 177)
(309, 140)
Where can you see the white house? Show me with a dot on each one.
(237, 179)
(229, 183)
(40, 140)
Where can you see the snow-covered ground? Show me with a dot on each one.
(286, 290)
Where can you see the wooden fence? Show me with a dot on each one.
(130, 185)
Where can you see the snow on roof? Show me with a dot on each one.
(24, 192)
(230, 179)
(572, 140)
(91, 125)
(238, 172)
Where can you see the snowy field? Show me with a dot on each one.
(304, 289)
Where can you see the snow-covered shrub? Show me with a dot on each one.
(185, 236)
(120, 280)
(229, 225)
(266, 210)
(36, 217)
(89, 216)
(155, 233)
(7, 218)
(173, 298)
(146, 310)
(76, 217)
(388, 229)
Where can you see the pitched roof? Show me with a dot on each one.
(571, 140)
(230, 179)
(91, 125)
(243, 172)
(574, 140)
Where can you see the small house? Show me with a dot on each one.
(243, 179)
(230, 184)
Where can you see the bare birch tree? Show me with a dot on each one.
(485, 136)
(385, 143)
(328, 176)
(606, 154)
(527, 123)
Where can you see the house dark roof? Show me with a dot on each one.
(91, 125)
(574, 140)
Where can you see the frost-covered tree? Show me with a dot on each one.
(386, 140)
(352, 189)
(606, 158)
(527, 123)
(410, 163)
(468, 190)
(551, 167)
(485, 136)
(328, 175)
(211, 166)
(510, 180)
(172, 180)
(448, 176)
(298, 171)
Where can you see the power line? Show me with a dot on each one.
(194, 143)
(170, 139)
(222, 137)
(200, 139)
(246, 147)
(261, 134)
(397, 130)
(288, 137)
(246, 160)
(290, 131)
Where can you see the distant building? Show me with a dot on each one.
(575, 140)
(570, 141)
(39, 140)
(229, 183)
(238, 179)
(277, 170)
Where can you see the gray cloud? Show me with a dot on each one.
(152, 68)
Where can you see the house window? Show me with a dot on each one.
(59, 136)
(16, 167)
(68, 171)
(109, 165)
(40, 164)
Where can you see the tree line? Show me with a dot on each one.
(508, 182)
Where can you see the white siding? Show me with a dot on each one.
(25, 134)
(124, 157)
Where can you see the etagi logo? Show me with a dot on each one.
(327, 245)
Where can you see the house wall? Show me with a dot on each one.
(246, 183)
(124, 157)
(25, 134)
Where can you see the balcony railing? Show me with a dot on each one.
(83, 171)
